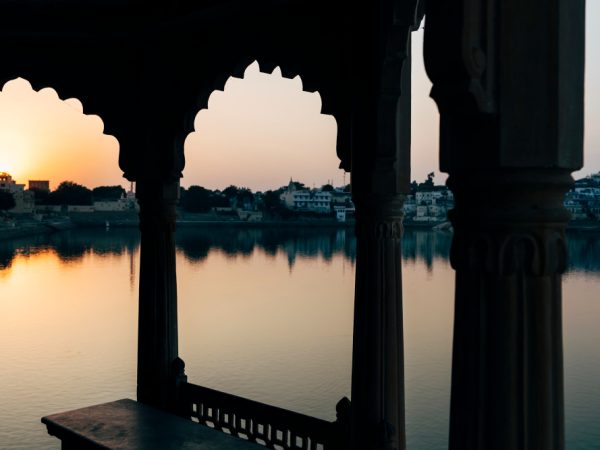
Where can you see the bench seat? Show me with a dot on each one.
(129, 425)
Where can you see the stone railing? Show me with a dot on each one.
(270, 426)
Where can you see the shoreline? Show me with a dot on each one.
(33, 229)
(21, 230)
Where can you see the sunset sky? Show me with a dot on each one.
(265, 123)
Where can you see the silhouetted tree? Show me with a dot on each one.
(7, 201)
(299, 185)
(414, 187)
(69, 193)
(230, 192)
(244, 197)
(219, 200)
(327, 188)
(104, 193)
(428, 184)
(271, 200)
(196, 199)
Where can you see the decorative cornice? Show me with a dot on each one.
(380, 216)
(510, 222)
(505, 252)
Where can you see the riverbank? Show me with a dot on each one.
(584, 226)
(23, 228)
(19, 229)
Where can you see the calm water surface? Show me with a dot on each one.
(265, 314)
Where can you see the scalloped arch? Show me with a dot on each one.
(237, 69)
(66, 91)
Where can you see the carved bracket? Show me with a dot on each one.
(460, 54)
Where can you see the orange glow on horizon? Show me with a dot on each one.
(45, 138)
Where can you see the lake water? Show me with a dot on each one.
(266, 314)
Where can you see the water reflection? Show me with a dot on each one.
(426, 246)
(197, 243)
(265, 313)
(70, 246)
(584, 251)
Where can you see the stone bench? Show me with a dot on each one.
(129, 425)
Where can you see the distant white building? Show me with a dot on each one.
(343, 213)
(410, 205)
(341, 198)
(423, 197)
(586, 193)
(434, 197)
(24, 200)
(127, 202)
(575, 207)
(595, 177)
(306, 200)
(421, 214)
(429, 205)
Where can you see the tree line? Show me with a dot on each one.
(198, 199)
(67, 193)
(70, 193)
(195, 199)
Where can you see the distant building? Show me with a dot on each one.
(594, 209)
(127, 202)
(410, 205)
(40, 185)
(343, 213)
(306, 200)
(24, 200)
(341, 198)
(424, 197)
(6, 181)
(429, 204)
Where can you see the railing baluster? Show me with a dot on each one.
(272, 427)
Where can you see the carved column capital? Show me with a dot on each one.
(508, 250)
(380, 216)
(510, 222)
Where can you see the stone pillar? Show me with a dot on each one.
(157, 332)
(508, 80)
(380, 183)
(378, 356)
(509, 252)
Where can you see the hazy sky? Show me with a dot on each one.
(266, 124)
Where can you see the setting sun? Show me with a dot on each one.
(44, 137)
